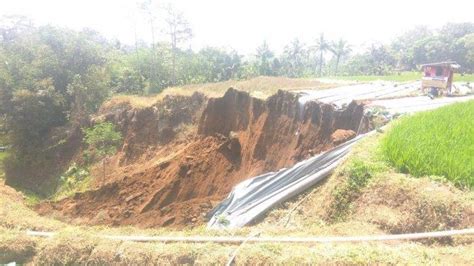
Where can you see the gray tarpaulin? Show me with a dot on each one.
(255, 196)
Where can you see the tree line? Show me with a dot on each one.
(135, 71)
(51, 76)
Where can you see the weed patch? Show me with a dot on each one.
(75, 179)
(358, 174)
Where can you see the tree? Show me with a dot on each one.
(149, 8)
(339, 49)
(13, 26)
(49, 79)
(265, 60)
(381, 60)
(403, 45)
(215, 64)
(321, 46)
(467, 42)
(102, 140)
(179, 30)
(293, 59)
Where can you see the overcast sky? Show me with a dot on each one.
(244, 24)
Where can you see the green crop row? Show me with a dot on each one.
(439, 143)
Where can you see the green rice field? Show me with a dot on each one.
(438, 142)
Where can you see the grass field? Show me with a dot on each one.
(439, 142)
(403, 77)
(259, 87)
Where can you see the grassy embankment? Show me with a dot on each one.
(362, 197)
(439, 142)
(259, 87)
(403, 77)
(365, 195)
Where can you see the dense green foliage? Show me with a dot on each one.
(102, 140)
(48, 77)
(52, 79)
(359, 174)
(439, 142)
(73, 180)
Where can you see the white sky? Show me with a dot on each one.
(244, 24)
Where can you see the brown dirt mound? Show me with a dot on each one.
(183, 155)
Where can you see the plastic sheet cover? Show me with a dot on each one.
(253, 197)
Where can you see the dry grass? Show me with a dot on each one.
(70, 249)
(389, 202)
(259, 87)
(15, 215)
(366, 215)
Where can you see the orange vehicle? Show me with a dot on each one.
(438, 77)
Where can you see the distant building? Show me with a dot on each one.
(438, 76)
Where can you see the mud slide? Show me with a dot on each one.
(183, 155)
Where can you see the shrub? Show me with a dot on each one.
(358, 173)
(102, 140)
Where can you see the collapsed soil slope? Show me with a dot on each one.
(183, 155)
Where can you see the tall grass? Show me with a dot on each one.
(439, 142)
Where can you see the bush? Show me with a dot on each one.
(359, 173)
(102, 140)
(439, 142)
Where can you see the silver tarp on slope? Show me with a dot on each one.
(253, 197)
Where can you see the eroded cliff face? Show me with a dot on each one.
(183, 155)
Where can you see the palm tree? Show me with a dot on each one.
(294, 55)
(339, 49)
(321, 46)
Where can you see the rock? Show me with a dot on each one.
(127, 213)
(132, 197)
(183, 170)
(165, 209)
(341, 135)
(164, 165)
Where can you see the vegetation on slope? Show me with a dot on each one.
(385, 202)
(52, 79)
(260, 87)
(366, 195)
(439, 142)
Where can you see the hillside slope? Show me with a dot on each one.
(367, 216)
(183, 155)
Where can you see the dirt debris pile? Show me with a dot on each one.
(183, 155)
